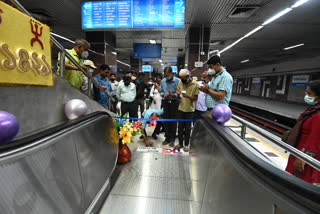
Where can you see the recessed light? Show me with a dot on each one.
(244, 61)
(114, 53)
(152, 41)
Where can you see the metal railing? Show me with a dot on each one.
(64, 54)
(295, 152)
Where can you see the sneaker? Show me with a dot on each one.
(178, 147)
(185, 149)
(154, 136)
(171, 144)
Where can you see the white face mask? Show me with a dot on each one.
(84, 54)
(310, 100)
(133, 78)
(211, 72)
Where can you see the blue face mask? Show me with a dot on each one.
(91, 70)
(310, 100)
(169, 78)
(150, 83)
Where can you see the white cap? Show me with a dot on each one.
(184, 72)
(195, 78)
(89, 63)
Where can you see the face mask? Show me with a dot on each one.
(127, 83)
(150, 83)
(169, 78)
(140, 81)
(310, 100)
(91, 70)
(112, 80)
(133, 78)
(211, 72)
(184, 81)
(84, 54)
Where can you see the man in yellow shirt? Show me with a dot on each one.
(188, 91)
(79, 52)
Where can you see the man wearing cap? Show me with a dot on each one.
(102, 80)
(85, 84)
(219, 89)
(188, 91)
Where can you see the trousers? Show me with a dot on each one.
(130, 108)
(184, 127)
(170, 108)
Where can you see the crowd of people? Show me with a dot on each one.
(171, 96)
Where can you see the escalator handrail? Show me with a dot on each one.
(270, 174)
(35, 136)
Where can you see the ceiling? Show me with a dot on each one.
(302, 25)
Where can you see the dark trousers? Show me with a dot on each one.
(184, 127)
(130, 108)
(156, 130)
(140, 102)
(114, 104)
(170, 109)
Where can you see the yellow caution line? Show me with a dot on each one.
(264, 143)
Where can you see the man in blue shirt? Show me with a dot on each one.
(146, 115)
(102, 80)
(170, 104)
(219, 89)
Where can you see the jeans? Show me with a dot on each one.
(114, 104)
(170, 109)
(184, 127)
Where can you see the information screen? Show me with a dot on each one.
(174, 69)
(146, 50)
(146, 68)
(133, 14)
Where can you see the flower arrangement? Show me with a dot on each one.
(127, 129)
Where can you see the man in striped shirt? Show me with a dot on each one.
(219, 89)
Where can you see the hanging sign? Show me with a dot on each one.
(256, 81)
(25, 51)
(300, 80)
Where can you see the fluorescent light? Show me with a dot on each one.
(244, 61)
(124, 63)
(299, 3)
(61, 37)
(285, 11)
(253, 31)
(160, 60)
(233, 44)
(114, 53)
(152, 41)
(291, 47)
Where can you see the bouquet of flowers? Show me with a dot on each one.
(127, 129)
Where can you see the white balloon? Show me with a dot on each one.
(75, 108)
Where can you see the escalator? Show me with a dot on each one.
(67, 169)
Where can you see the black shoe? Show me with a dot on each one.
(154, 136)
(141, 137)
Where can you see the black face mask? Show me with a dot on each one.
(127, 83)
(184, 81)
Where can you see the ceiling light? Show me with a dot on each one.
(253, 31)
(160, 60)
(114, 53)
(152, 41)
(233, 44)
(244, 61)
(61, 37)
(123, 63)
(291, 47)
(285, 11)
(299, 3)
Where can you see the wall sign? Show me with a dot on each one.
(300, 81)
(25, 51)
(256, 81)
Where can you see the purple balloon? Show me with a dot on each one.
(75, 108)
(221, 113)
(9, 127)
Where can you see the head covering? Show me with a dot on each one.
(184, 72)
(195, 78)
(89, 63)
(148, 113)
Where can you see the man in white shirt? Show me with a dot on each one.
(114, 84)
(126, 94)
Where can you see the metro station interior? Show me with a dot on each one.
(63, 150)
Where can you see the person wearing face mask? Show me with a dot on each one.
(85, 84)
(114, 85)
(102, 80)
(188, 90)
(305, 136)
(142, 89)
(219, 89)
(170, 104)
(126, 94)
(80, 53)
(150, 84)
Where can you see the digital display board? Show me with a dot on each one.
(146, 68)
(146, 50)
(174, 69)
(133, 14)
